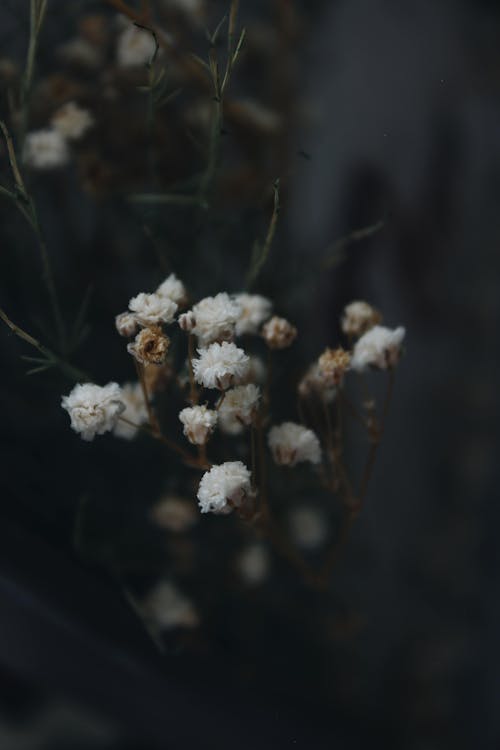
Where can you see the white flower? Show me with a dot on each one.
(358, 318)
(45, 149)
(313, 384)
(93, 409)
(126, 324)
(254, 310)
(72, 121)
(135, 411)
(186, 322)
(175, 514)
(151, 309)
(278, 333)
(253, 564)
(135, 47)
(291, 443)
(215, 318)
(238, 408)
(174, 289)
(224, 487)
(308, 527)
(166, 608)
(379, 347)
(220, 366)
(198, 423)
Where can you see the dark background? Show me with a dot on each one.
(401, 122)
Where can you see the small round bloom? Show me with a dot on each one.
(198, 423)
(166, 608)
(224, 487)
(279, 333)
(254, 310)
(135, 411)
(332, 366)
(308, 527)
(151, 309)
(313, 384)
(253, 564)
(150, 346)
(238, 409)
(220, 366)
(215, 318)
(359, 317)
(135, 47)
(291, 443)
(174, 289)
(93, 409)
(72, 121)
(379, 347)
(45, 149)
(126, 324)
(174, 514)
(186, 321)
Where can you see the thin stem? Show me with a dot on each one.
(377, 433)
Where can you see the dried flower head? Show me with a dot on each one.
(45, 149)
(239, 408)
(308, 527)
(135, 47)
(151, 309)
(166, 608)
(174, 289)
(254, 310)
(150, 346)
(72, 121)
(220, 366)
(215, 318)
(93, 409)
(174, 514)
(126, 324)
(253, 564)
(291, 443)
(380, 347)
(359, 317)
(198, 423)
(332, 366)
(279, 333)
(135, 411)
(313, 384)
(224, 487)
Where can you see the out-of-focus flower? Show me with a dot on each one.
(253, 564)
(224, 487)
(198, 423)
(45, 149)
(126, 324)
(72, 121)
(291, 443)
(135, 47)
(174, 289)
(94, 409)
(312, 384)
(135, 411)
(150, 346)
(215, 319)
(256, 371)
(166, 608)
(174, 514)
(220, 366)
(79, 51)
(186, 322)
(308, 527)
(254, 310)
(151, 309)
(359, 317)
(238, 409)
(379, 347)
(278, 333)
(332, 366)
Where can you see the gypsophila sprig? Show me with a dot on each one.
(220, 366)
(199, 422)
(152, 309)
(224, 488)
(380, 348)
(214, 319)
(359, 317)
(278, 333)
(291, 443)
(174, 289)
(239, 408)
(254, 311)
(93, 409)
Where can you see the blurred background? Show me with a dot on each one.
(381, 120)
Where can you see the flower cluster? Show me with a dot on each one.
(48, 148)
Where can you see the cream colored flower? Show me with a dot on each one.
(291, 443)
(278, 333)
(308, 527)
(359, 317)
(254, 310)
(72, 121)
(238, 409)
(312, 384)
(379, 347)
(150, 346)
(215, 319)
(253, 564)
(174, 289)
(135, 47)
(224, 487)
(166, 608)
(93, 409)
(126, 324)
(45, 149)
(198, 423)
(332, 366)
(151, 309)
(220, 366)
(135, 411)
